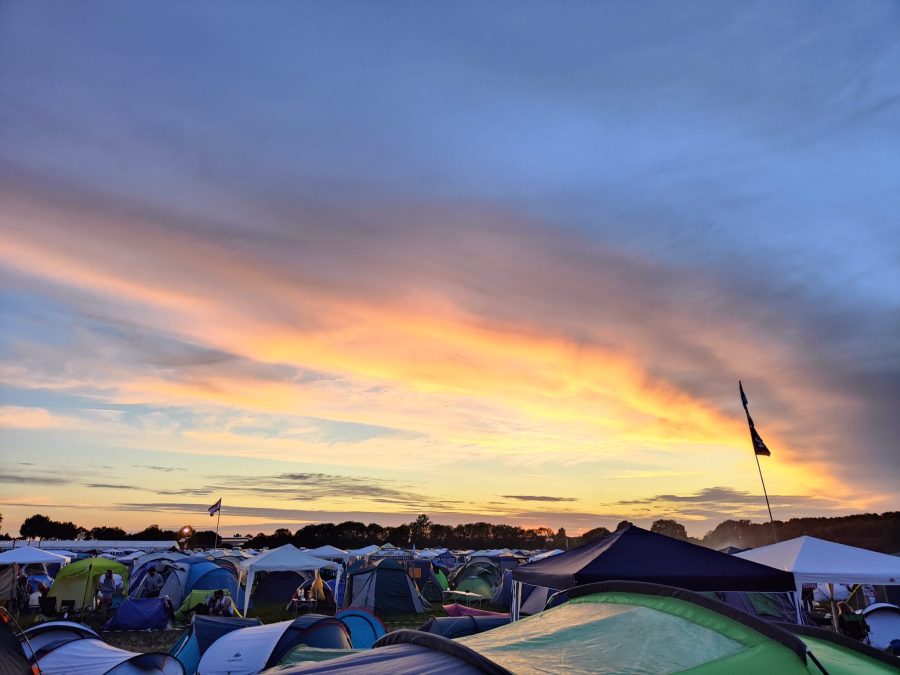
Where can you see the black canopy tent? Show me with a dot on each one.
(636, 554)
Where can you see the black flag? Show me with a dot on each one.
(759, 447)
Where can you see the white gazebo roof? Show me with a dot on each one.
(287, 558)
(813, 560)
(328, 551)
(26, 555)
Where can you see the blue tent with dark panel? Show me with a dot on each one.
(635, 554)
(203, 631)
(141, 614)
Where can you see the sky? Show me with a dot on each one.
(486, 261)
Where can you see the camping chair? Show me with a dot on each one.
(47, 605)
(854, 626)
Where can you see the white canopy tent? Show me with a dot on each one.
(287, 558)
(26, 555)
(329, 552)
(816, 561)
(813, 560)
(364, 551)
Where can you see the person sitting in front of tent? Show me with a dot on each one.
(34, 600)
(153, 583)
(107, 589)
(219, 604)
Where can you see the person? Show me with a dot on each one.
(34, 600)
(215, 602)
(107, 589)
(153, 583)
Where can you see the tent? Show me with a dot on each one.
(250, 650)
(203, 631)
(195, 598)
(277, 586)
(364, 551)
(635, 554)
(91, 656)
(365, 628)
(77, 583)
(481, 577)
(141, 614)
(460, 626)
(329, 552)
(635, 627)
(813, 560)
(41, 635)
(195, 574)
(287, 558)
(384, 588)
(27, 555)
(884, 623)
(12, 660)
(406, 652)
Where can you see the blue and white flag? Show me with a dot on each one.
(215, 508)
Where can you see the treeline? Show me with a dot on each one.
(877, 532)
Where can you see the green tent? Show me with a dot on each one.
(78, 581)
(195, 598)
(619, 627)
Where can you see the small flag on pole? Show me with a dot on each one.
(215, 508)
(759, 446)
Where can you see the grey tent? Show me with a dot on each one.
(384, 588)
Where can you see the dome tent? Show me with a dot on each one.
(384, 588)
(77, 582)
(204, 631)
(250, 650)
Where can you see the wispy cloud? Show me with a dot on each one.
(538, 498)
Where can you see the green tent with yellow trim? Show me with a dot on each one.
(78, 581)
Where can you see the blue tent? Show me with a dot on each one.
(203, 631)
(460, 626)
(635, 554)
(141, 614)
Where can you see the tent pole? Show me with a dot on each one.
(516, 601)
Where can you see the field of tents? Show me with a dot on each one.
(634, 601)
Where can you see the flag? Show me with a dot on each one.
(759, 446)
(215, 508)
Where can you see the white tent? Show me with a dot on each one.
(364, 551)
(813, 560)
(816, 561)
(328, 551)
(287, 558)
(26, 555)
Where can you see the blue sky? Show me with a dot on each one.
(471, 250)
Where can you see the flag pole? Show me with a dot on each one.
(759, 447)
(766, 494)
(219, 517)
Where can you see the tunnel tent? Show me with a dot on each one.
(40, 635)
(406, 652)
(605, 627)
(91, 655)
